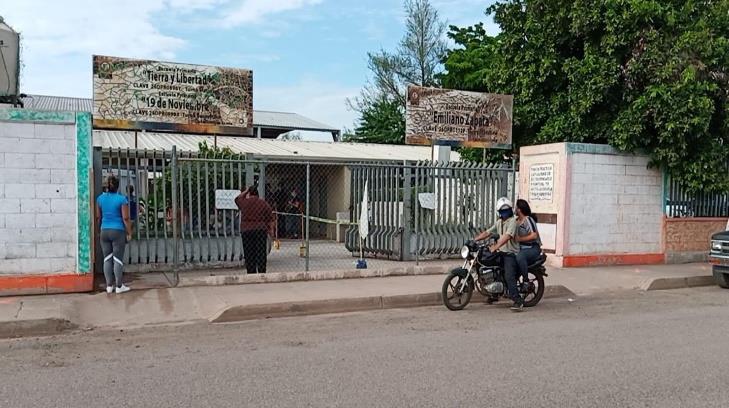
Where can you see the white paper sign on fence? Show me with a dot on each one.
(225, 199)
(427, 200)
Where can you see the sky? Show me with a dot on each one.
(307, 56)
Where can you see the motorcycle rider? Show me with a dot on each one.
(506, 229)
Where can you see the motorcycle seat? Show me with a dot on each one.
(542, 259)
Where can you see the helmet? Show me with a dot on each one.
(503, 203)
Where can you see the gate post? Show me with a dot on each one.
(514, 181)
(406, 253)
(308, 203)
(504, 184)
(175, 232)
(249, 170)
(98, 267)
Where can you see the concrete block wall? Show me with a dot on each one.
(38, 198)
(615, 205)
(605, 206)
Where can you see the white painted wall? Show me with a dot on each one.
(615, 205)
(37, 198)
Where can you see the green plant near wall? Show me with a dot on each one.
(208, 175)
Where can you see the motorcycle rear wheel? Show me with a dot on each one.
(534, 295)
(453, 297)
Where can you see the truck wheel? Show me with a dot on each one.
(721, 279)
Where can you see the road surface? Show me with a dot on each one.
(627, 349)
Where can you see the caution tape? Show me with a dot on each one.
(322, 220)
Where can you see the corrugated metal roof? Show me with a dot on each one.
(57, 103)
(288, 121)
(267, 148)
(281, 120)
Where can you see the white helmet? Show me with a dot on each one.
(503, 203)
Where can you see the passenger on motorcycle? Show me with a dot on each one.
(506, 228)
(530, 246)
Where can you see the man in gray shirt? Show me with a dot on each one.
(506, 229)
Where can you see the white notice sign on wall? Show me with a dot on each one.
(541, 182)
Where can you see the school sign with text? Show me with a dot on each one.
(458, 118)
(134, 94)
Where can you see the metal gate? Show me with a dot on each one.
(417, 210)
(425, 209)
(172, 201)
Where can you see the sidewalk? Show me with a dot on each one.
(35, 315)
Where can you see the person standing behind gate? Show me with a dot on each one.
(294, 221)
(256, 217)
(112, 210)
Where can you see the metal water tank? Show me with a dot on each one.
(9, 61)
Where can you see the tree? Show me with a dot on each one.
(382, 122)
(211, 175)
(641, 75)
(417, 60)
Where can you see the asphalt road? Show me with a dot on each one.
(630, 349)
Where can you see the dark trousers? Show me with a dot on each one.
(511, 271)
(526, 257)
(254, 250)
(280, 226)
(293, 226)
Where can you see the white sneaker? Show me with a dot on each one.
(122, 289)
(109, 289)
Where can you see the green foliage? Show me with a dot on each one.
(382, 122)
(477, 155)
(642, 75)
(417, 60)
(197, 182)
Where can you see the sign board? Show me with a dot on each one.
(154, 95)
(458, 118)
(541, 182)
(225, 199)
(427, 200)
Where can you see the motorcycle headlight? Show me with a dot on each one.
(715, 246)
(465, 252)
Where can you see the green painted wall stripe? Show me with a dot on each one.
(665, 189)
(28, 115)
(83, 165)
(590, 148)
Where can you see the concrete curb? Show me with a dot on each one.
(345, 305)
(34, 327)
(277, 277)
(678, 283)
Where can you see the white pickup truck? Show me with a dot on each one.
(719, 258)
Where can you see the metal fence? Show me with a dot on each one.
(682, 202)
(184, 214)
(425, 210)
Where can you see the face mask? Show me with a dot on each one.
(507, 213)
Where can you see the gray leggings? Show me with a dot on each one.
(112, 245)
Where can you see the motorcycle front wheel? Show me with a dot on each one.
(535, 290)
(455, 293)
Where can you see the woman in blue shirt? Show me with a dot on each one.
(112, 209)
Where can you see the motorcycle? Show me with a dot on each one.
(483, 271)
